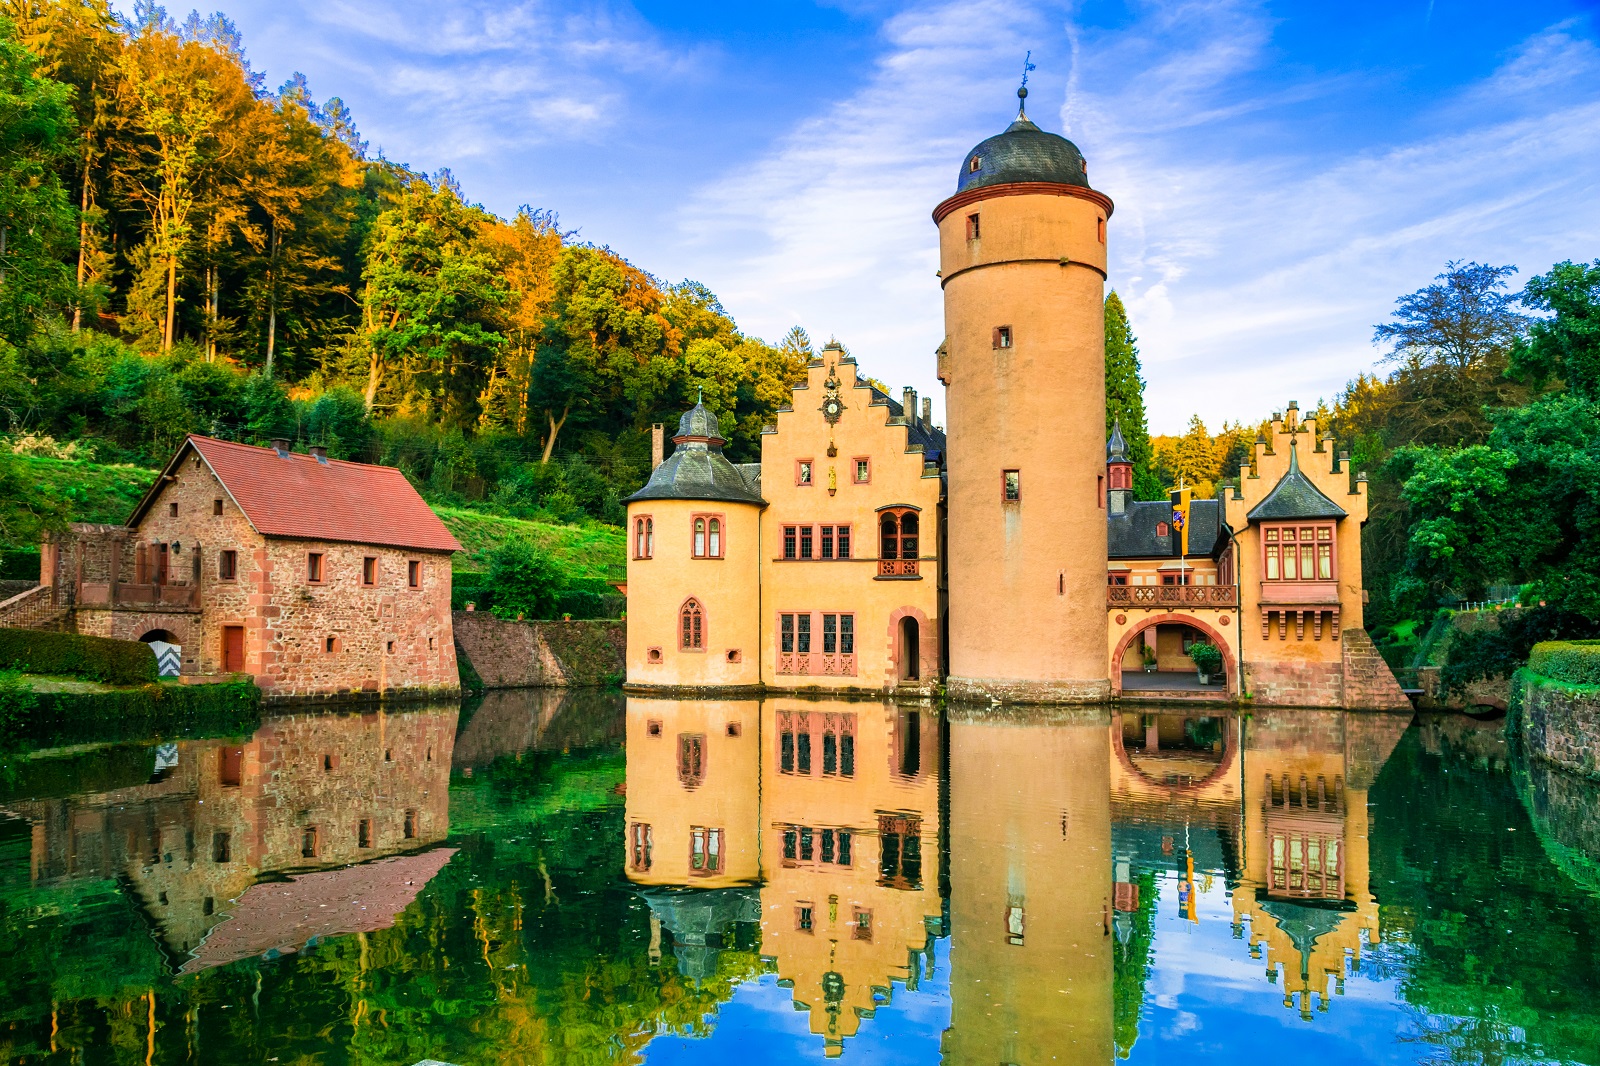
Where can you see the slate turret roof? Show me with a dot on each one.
(1294, 496)
(697, 469)
(1132, 534)
(1117, 446)
(1024, 152)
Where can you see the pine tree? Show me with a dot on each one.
(1125, 399)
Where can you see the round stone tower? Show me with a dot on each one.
(1022, 251)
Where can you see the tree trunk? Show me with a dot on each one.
(83, 222)
(172, 301)
(4, 231)
(555, 428)
(374, 366)
(216, 311)
(272, 303)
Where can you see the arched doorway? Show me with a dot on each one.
(910, 665)
(1167, 638)
(168, 652)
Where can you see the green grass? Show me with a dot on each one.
(93, 492)
(590, 551)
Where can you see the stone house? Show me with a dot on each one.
(314, 576)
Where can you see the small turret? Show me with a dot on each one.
(1119, 471)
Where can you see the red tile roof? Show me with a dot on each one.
(297, 496)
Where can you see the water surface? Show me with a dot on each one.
(574, 877)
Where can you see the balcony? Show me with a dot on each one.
(99, 594)
(1172, 596)
(897, 568)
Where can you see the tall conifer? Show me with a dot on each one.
(1125, 398)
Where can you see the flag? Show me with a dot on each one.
(1180, 518)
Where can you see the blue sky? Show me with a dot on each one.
(1282, 171)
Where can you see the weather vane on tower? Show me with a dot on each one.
(1022, 90)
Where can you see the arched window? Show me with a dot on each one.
(715, 545)
(644, 537)
(897, 544)
(699, 538)
(890, 527)
(691, 626)
(708, 530)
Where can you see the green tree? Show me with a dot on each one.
(36, 219)
(1125, 398)
(525, 580)
(1195, 459)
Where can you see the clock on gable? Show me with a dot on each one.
(832, 406)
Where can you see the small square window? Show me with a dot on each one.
(973, 231)
(1002, 336)
(735, 729)
(414, 573)
(653, 727)
(216, 507)
(802, 472)
(1013, 486)
(369, 570)
(390, 647)
(330, 645)
(863, 471)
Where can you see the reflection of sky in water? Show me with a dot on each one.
(1209, 1001)
(760, 1024)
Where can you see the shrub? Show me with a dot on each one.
(524, 580)
(16, 701)
(1576, 662)
(19, 564)
(116, 662)
(164, 710)
(1207, 657)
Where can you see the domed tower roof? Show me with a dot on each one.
(1117, 447)
(697, 469)
(1023, 153)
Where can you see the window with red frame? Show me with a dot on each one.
(641, 841)
(644, 537)
(691, 758)
(705, 850)
(1297, 552)
(692, 627)
(707, 536)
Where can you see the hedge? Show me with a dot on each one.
(168, 711)
(116, 662)
(1576, 662)
(19, 564)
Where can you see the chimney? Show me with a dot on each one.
(658, 444)
(927, 412)
(319, 453)
(908, 400)
(281, 446)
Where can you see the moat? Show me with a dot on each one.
(553, 877)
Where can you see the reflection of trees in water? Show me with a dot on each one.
(1135, 932)
(1203, 734)
(1486, 933)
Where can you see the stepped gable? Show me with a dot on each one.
(1132, 534)
(1294, 496)
(303, 497)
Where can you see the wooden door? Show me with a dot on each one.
(232, 649)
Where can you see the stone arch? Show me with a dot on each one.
(927, 646)
(1230, 665)
(1230, 751)
(166, 636)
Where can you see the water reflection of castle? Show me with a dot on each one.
(818, 824)
(312, 798)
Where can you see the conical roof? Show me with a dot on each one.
(1294, 496)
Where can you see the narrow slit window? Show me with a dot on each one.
(414, 574)
(227, 565)
(973, 231)
(216, 507)
(369, 570)
(1012, 486)
(314, 566)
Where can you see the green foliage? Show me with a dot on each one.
(1497, 650)
(1125, 399)
(17, 703)
(1577, 662)
(116, 662)
(46, 493)
(36, 220)
(19, 564)
(1207, 657)
(1565, 346)
(524, 580)
(169, 710)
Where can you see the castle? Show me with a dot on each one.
(1004, 558)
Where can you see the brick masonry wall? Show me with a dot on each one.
(1560, 723)
(510, 654)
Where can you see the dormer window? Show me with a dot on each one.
(975, 164)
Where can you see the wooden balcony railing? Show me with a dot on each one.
(897, 568)
(1172, 596)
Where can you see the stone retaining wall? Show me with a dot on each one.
(1560, 723)
(509, 654)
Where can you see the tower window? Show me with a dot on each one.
(973, 166)
(1101, 226)
(972, 227)
(1012, 486)
(691, 625)
(1002, 336)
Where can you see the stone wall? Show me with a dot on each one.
(1361, 681)
(1560, 723)
(509, 654)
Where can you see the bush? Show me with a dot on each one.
(16, 702)
(19, 564)
(524, 580)
(1207, 657)
(169, 711)
(1576, 662)
(116, 662)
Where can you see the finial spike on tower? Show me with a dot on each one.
(700, 395)
(1022, 90)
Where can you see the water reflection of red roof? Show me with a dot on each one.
(283, 915)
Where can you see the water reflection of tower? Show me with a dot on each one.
(693, 821)
(1030, 890)
(851, 822)
(1305, 890)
